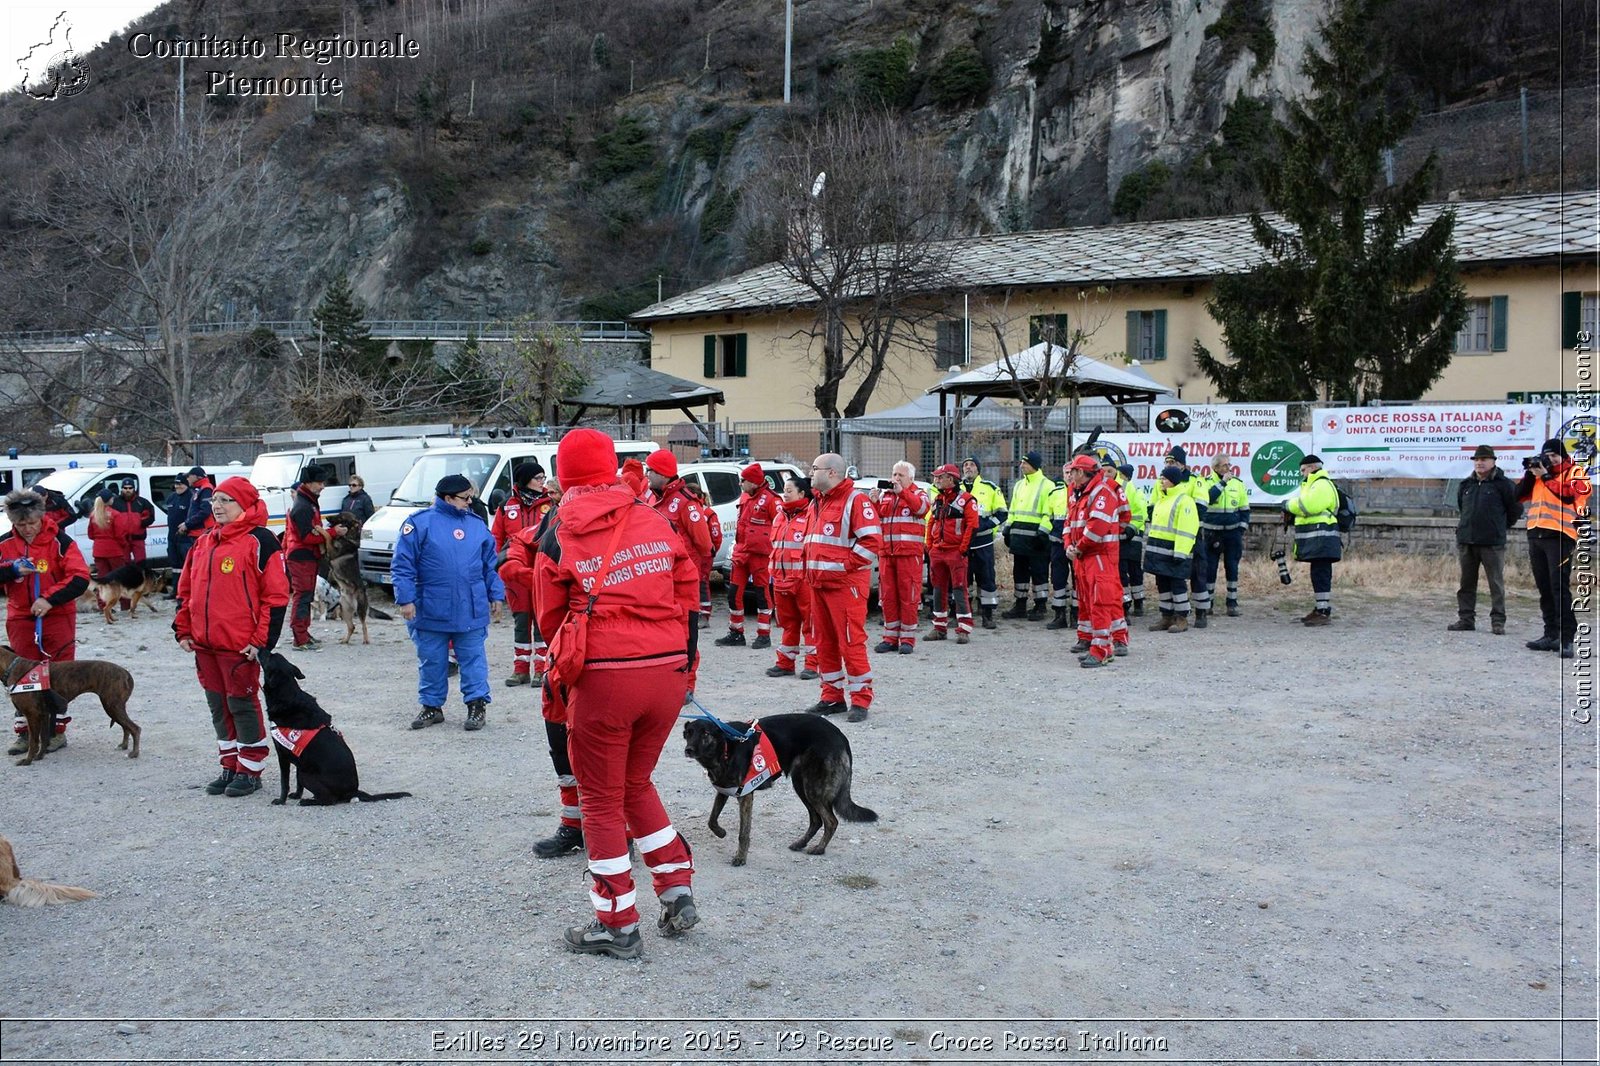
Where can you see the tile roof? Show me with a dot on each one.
(1508, 229)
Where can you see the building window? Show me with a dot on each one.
(1485, 328)
(1052, 328)
(725, 355)
(950, 344)
(1580, 313)
(1147, 335)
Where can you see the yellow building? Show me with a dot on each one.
(1138, 291)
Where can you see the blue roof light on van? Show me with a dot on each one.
(110, 462)
(105, 448)
(11, 453)
(73, 465)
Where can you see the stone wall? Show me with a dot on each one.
(1374, 535)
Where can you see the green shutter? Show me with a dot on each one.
(1571, 318)
(1497, 323)
(711, 355)
(1158, 347)
(1036, 330)
(739, 347)
(1063, 338)
(1133, 335)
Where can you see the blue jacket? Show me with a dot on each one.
(444, 563)
(177, 505)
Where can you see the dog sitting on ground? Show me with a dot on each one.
(813, 751)
(133, 582)
(25, 891)
(68, 681)
(304, 735)
(344, 570)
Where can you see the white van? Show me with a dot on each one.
(381, 462)
(24, 471)
(487, 465)
(720, 482)
(80, 486)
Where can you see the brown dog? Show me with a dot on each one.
(69, 680)
(344, 570)
(133, 583)
(25, 891)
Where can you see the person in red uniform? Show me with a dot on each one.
(843, 538)
(685, 515)
(752, 554)
(714, 530)
(44, 574)
(903, 509)
(954, 520)
(305, 541)
(129, 502)
(1093, 543)
(618, 561)
(524, 509)
(790, 593)
(232, 598)
(108, 535)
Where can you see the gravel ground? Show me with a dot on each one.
(1257, 841)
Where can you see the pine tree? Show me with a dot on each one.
(341, 321)
(1345, 306)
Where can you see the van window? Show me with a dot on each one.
(339, 466)
(160, 488)
(417, 488)
(5, 481)
(502, 484)
(721, 486)
(277, 471)
(31, 477)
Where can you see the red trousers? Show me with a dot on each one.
(232, 686)
(839, 619)
(795, 638)
(949, 576)
(747, 568)
(900, 594)
(618, 721)
(302, 587)
(104, 564)
(1100, 595)
(136, 551)
(60, 637)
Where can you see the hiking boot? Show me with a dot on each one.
(1018, 611)
(1072, 616)
(1460, 627)
(1080, 647)
(1233, 608)
(1119, 650)
(907, 649)
(1498, 629)
(733, 639)
(518, 679)
(1200, 619)
(217, 787)
(1544, 644)
(1089, 662)
(705, 621)
(426, 717)
(59, 741)
(1180, 624)
(1138, 608)
(19, 746)
(678, 917)
(599, 939)
(242, 785)
(988, 616)
(1036, 614)
(1059, 621)
(1163, 625)
(963, 638)
(1567, 652)
(857, 714)
(826, 707)
(311, 645)
(937, 634)
(885, 646)
(564, 841)
(763, 641)
(780, 671)
(477, 711)
(1309, 616)
(807, 674)
(1319, 619)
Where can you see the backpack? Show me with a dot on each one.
(1347, 513)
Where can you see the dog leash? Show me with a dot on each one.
(726, 729)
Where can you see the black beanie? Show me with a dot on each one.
(1557, 445)
(526, 472)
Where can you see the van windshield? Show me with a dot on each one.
(276, 471)
(417, 488)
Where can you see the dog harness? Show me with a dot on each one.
(763, 766)
(35, 679)
(295, 740)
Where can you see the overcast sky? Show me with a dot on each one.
(24, 23)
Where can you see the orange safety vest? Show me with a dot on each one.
(1547, 510)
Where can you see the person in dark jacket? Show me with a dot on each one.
(200, 488)
(1488, 504)
(177, 507)
(358, 501)
(128, 500)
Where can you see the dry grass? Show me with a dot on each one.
(1383, 576)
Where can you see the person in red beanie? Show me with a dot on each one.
(619, 563)
(684, 513)
(752, 555)
(232, 597)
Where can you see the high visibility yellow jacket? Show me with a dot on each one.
(991, 511)
(1173, 527)
(1314, 506)
(1030, 497)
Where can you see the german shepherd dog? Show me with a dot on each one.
(326, 765)
(813, 751)
(134, 582)
(68, 681)
(344, 570)
(25, 891)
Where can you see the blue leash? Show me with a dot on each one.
(726, 729)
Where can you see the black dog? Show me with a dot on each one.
(813, 751)
(323, 763)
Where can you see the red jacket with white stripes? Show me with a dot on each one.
(788, 544)
(1092, 524)
(843, 538)
(686, 515)
(955, 517)
(753, 534)
(520, 511)
(903, 513)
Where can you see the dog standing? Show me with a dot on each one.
(69, 680)
(25, 891)
(344, 570)
(811, 750)
(132, 582)
(304, 735)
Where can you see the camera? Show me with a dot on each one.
(885, 484)
(1281, 557)
(1533, 462)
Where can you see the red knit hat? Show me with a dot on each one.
(240, 491)
(753, 474)
(662, 462)
(586, 457)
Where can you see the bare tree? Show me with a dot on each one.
(856, 211)
(147, 229)
(1040, 386)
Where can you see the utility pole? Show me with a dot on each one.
(788, 46)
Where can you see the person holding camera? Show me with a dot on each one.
(1488, 504)
(1556, 491)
